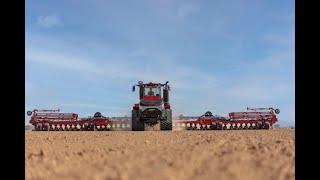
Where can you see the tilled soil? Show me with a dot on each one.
(230, 154)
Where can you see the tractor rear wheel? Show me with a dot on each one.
(137, 125)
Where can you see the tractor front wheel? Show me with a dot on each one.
(167, 124)
(137, 125)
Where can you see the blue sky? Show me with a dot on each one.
(222, 55)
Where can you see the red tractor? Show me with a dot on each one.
(153, 108)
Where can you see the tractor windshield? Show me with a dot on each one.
(152, 91)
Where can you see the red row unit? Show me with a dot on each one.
(257, 118)
(52, 120)
(51, 115)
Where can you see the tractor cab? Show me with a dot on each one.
(153, 94)
(152, 91)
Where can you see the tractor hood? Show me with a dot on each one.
(151, 101)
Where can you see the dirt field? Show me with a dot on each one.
(246, 154)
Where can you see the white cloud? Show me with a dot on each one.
(153, 67)
(28, 85)
(28, 89)
(48, 21)
(285, 38)
(276, 61)
(62, 61)
(281, 39)
(137, 52)
(186, 9)
(256, 91)
(160, 69)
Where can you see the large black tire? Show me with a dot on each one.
(29, 113)
(137, 125)
(166, 125)
(97, 115)
(208, 114)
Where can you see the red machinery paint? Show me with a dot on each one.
(257, 118)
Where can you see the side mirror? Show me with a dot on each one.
(141, 92)
(133, 88)
(165, 95)
(169, 88)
